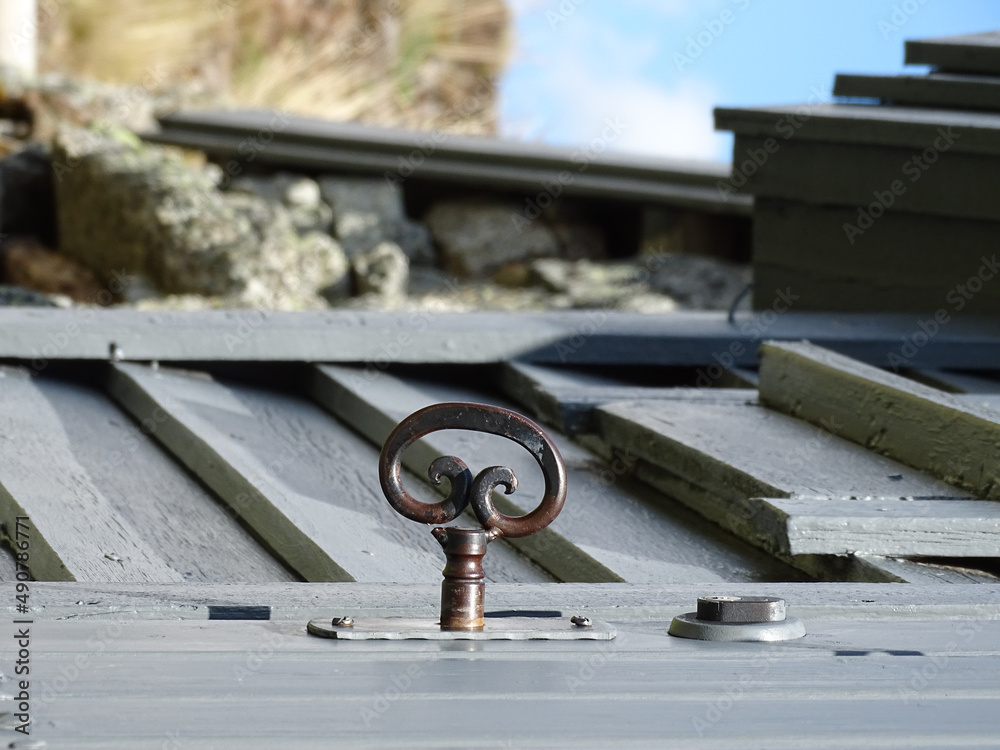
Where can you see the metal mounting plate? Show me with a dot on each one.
(499, 629)
(689, 626)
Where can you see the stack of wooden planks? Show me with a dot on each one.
(885, 201)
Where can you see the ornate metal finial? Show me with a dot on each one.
(463, 590)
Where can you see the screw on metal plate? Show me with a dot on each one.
(738, 618)
(463, 589)
(580, 621)
(342, 622)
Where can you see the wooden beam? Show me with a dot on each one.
(305, 484)
(935, 432)
(966, 53)
(73, 533)
(681, 339)
(888, 526)
(932, 90)
(715, 457)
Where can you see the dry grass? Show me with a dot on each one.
(424, 64)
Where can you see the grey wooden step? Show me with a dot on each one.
(877, 179)
(716, 457)
(935, 432)
(904, 526)
(903, 127)
(966, 53)
(379, 339)
(609, 519)
(933, 90)
(566, 400)
(305, 484)
(74, 533)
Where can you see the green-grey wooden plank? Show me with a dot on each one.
(374, 406)
(74, 532)
(187, 527)
(563, 338)
(885, 126)
(847, 683)
(966, 53)
(906, 526)
(306, 488)
(566, 399)
(946, 183)
(948, 437)
(716, 457)
(860, 602)
(933, 90)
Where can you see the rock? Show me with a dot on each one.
(590, 284)
(27, 197)
(477, 237)
(299, 195)
(696, 282)
(130, 208)
(15, 296)
(383, 270)
(367, 212)
(28, 264)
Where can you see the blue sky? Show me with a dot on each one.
(641, 63)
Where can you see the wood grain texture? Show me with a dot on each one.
(903, 127)
(305, 484)
(966, 53)
(906, 526)
(935, 432)
(566, 400)
(75, 532)
(379, 339)
(847, 683)
(176, 516)
(931, 90)
(952, 186)
(715, 457)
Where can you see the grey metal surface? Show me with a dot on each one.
(495, 629)
(688, 625)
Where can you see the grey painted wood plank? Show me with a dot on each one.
(566, 400)
(293, 475)
(903, 127)
(374, 406)
(968, 53)
(75, 533)
(958, 382)
(8, 567)
(847, 682)
(910, 527)
(855, 175)
(617, 601)
(183, 523)
(378, 339)
(947, 437)
(933, 90)
(715, 457)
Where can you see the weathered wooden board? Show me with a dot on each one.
(306, 485)
(625, 528)
(883, 126)
(176, 516)
(912, 675)
(862, 178)
(715, 457)
(860, 602)
(948, 437)
(74, 532)
(922, 252)
(932, 90)
(379, 339)
(966, 53)
(566, 400)
(907, 526)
